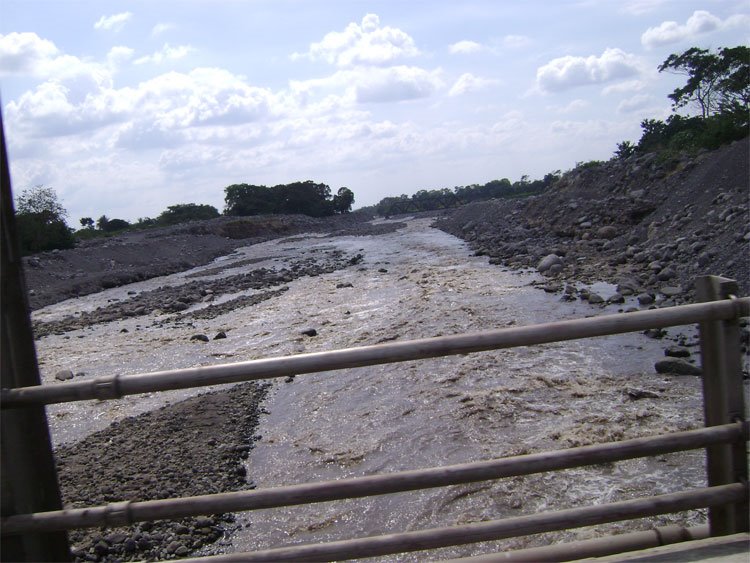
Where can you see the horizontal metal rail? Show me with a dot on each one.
(497, 529)
(119, 514)
(112, 387)
(595, 547)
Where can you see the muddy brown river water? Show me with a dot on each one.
(413, 283)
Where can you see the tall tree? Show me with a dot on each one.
(716, 82)
(40, 220)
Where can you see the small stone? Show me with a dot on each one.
(203, 522)
(343, 285)
(129, 545)
(636, 394)
(174, 546)
(64, 375)
(200, 337)
(124, 331)
(645, 299)
(655, 333)
(181, 551)
(595, 298)
(309, 332)
(616, 298)
(289, 379)
(382, 270)
(220, 335)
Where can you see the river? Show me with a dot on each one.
(413, 283)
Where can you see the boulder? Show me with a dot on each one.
(677, 366)
(547, 262)
(677, 352)
(670, 290)
(608, 232)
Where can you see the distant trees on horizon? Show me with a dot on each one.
(307, 198)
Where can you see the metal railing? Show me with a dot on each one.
(724, 438)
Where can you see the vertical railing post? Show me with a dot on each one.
(723, 402)
(28, 475)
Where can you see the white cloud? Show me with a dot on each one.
(28, 54)
(700, 23)
(640, 7)
(160, 28)
(24, 53)
(570, 72)
(467, 82)
(627, 86)
(167, 53)
(118, 55)
(464, 47)
(516, 41)
(635, 103)
(396, 84)
(114, 22)
(363, 43)
(572, 107)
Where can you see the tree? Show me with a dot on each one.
(343, 200)
(625, 149)
(715, 82)
(40, 220)
(42, 200)
(184, 212)
(108, 225)
(87, 222)
(308, 198)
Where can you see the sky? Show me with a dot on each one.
(128, 107)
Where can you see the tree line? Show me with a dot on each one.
(308, 198)
(41, 218)
(444, 198)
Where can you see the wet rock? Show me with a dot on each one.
(677, 352)
(199, 337)
(220, 335)
(309, 332)
(64, 375)
(677, 366)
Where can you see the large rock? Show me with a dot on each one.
(548, 261)
(677, 366)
